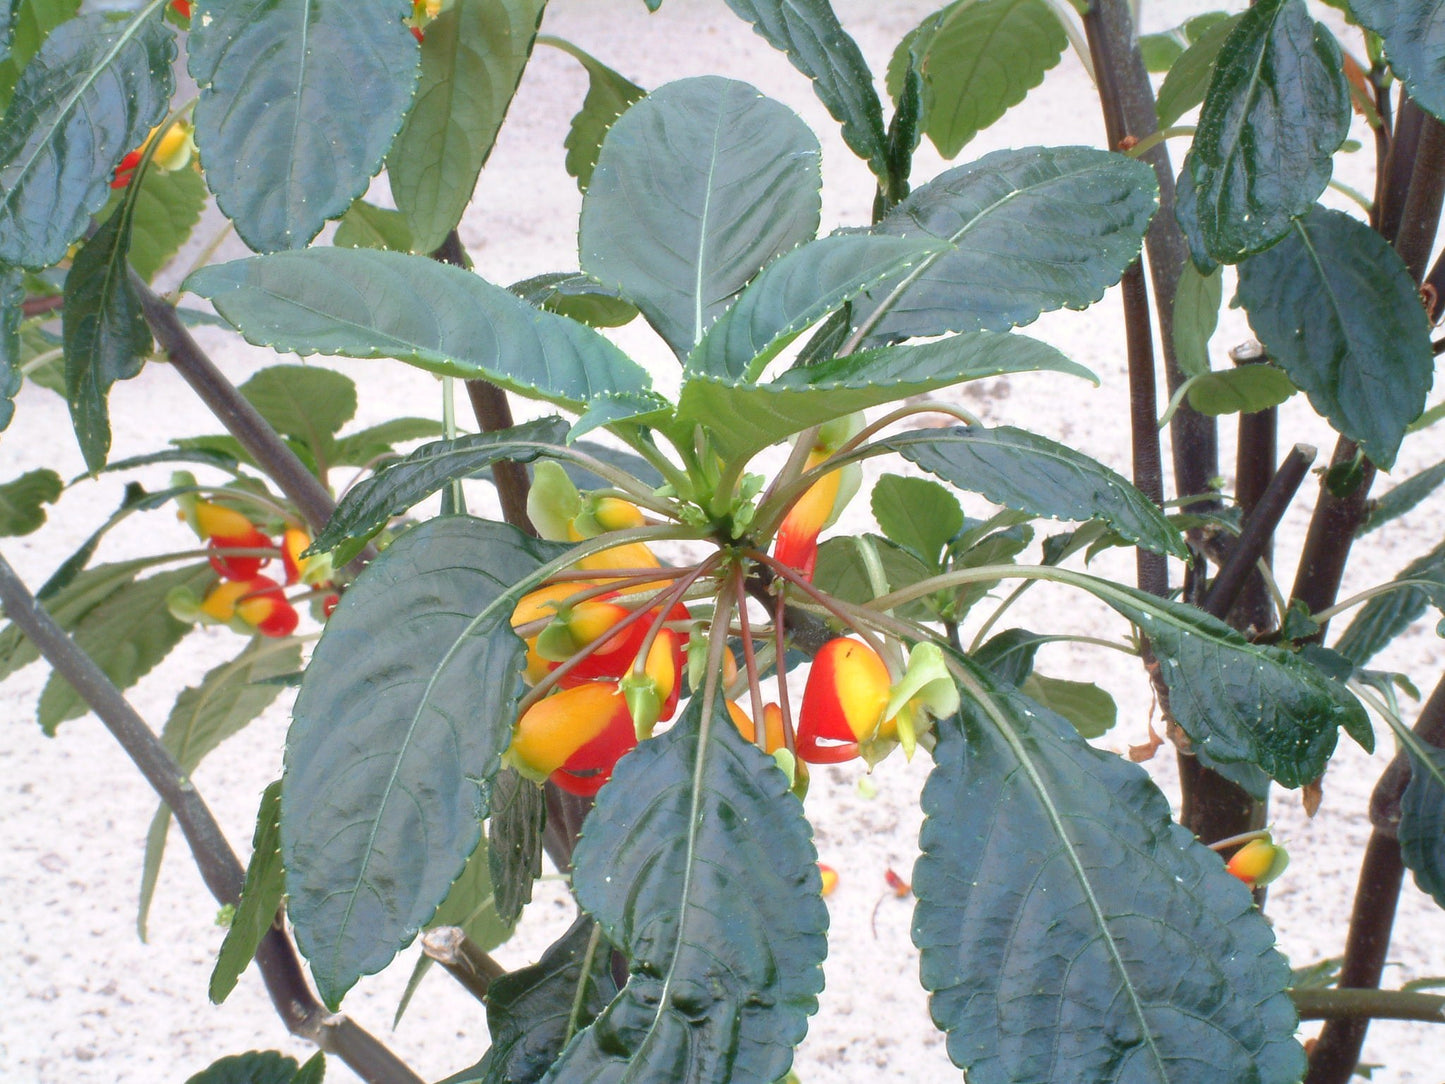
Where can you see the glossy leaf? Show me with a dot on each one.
(916, 513)
(126, 635)
(979, 59)
(257, 1067)
(1336, 308)
(698, 864)
(283, 142)
(809, 32)
(260, 897)
(573, 294)
(399, 485)
(1056, 900)
(106, 336)
(228, 698)
(1244, 390)
(697, 187)
(394, 741)
(1089, 709)
(1386, 616)
(366, 303)
(1035, 229)
(841, 571)
(167, 207)
(26, 24)
(1188, 79)
(306, 402)
(757, 415)
(1196, 315)
(471, 62)
(514, 842)
(1405, 496)
(608, 96)
(1414, 39)
(1277, 109)
(1033, 474)
(21, 501)
(794, 292)
(365, 225)
(1422, 821)
(94, 90)
(1009, 655)
(12, 300)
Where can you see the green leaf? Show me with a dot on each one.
(471, 62)
(1277, 109)
(314, 1071)
(1386, 616)
(106, 335)
(573, 294)
(1033, 474)
(608, 96)
(528, 1010)
(1009, 655)
(126, 635)
(697, 186)
(1057, 899)
(979, 59)
(809, 32)
(286, 141)
(1414, 39)
(257, 1067)
(397, 486)
(1090, 709)
(306, 402)
(794, 292)
(168, 204)
(1036, 229)
(67, 127)
(698, 864)
(745, 417)
(1243, 390)
(365, 446)
(1196, 315)
(1404, 497)
(514, 842)
(228, 698)
(395, 741)
(28, 24)
(1188, 79)
(370, 304)
(21, 500)
(917, 514)
(1422, 820)
(12, 300)
(260, 897)
(365, 225)
(1336, 308)
(841, 572)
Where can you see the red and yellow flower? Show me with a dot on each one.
(258, 603)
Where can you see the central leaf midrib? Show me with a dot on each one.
(697, 303)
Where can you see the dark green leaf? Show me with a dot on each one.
(395, 741)
(809, 33)
(917, 514)
(979, 59)
(21, 500)
(1243, 390)
(1336, 308)
(1422, 821)
(1057, 899)
(399, 485)
(228, 698)
(1009, 655)
(698, 864)
(27, 23)
(840, 571)
(168, 204)
(365, 446)
(697, 186)
(257, 1067)
(608, 96)
(573, 294)
(365, 225)
(528, 1010)
(306, 402)
(68, 125)
(1090, 709)
(284, 137)
(371, 304)
(1386, 616)
(260, 897)
(1405, 496)
(12, 298)
(126, 635)
(106, 335)
(1414, 38)
(1277, 109)
(471, 62)
(514, 842)
(1188, 79)
(745, 417)
(313, 1072)
(1033, 474)
(1036, 229)
(794, 292)
(1196, 315)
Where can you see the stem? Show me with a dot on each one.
(1331, 534)
(1334, 1004)
(750, 661)
(844, 613)
(1421, 215)
(1399, 166)
(785, 707)
(463, 958)
(299, 1009)
(453, 501)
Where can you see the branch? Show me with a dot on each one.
(463, 958)
(220, 869)
(1333, 1004)
(1331, 535)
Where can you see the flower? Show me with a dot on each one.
(257, 603)
(843, 702)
